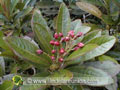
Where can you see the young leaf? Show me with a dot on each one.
(41, 31)
(78, 27)
(63, 20)
(90, 8)
(91, 76)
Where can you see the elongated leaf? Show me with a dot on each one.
(26, 50)
(104, 44)
(104, 58)
(2, 42)
(90, 8)
(75, 24)
(13, 5)
(41, 31)
(95, 2)
(78, 27)
(83, 29)
(63, 20)
(91, 36)
(91, 76)
(108, 66)
(80, 52)
(23, 12)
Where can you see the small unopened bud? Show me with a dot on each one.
(80, 45)
(53, 51)
(62, 39)
(61, 59)
(57, 43)
(79, 34)
(67, 38)
(62, 51)
(61, 34)
(56, 36)
(71, 33)
(39, 51)
(52, 57)
(76, 48)
(52, 42)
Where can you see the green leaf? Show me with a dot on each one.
(2, 66)
(114, 54)
(7, 85)
(91, 76)
(80, 52)
(90, 8)
(42, 32)
(95, 2)
(2, 42)
(83, 29)
(23, 12)
(76, 24)
(108, 66)
(26, 50)
(104, 43)
(13, 5)
(91, 36)
(78, 27)
(104, 58)
(107, 19)
(114, 11)
(117, 2)
(63, 20)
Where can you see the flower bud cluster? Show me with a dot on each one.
(60, 50)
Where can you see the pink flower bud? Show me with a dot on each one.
(60, 59)
(52, 42)
(80, 45)
(61, 34)
(62, 51)
(56, 36)
(67, 38)
(39, 51)
(79, 34)
(57, 43)
(71, 33)
(62, 39)
(53, 51)
(52, 57)
(76, 48)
